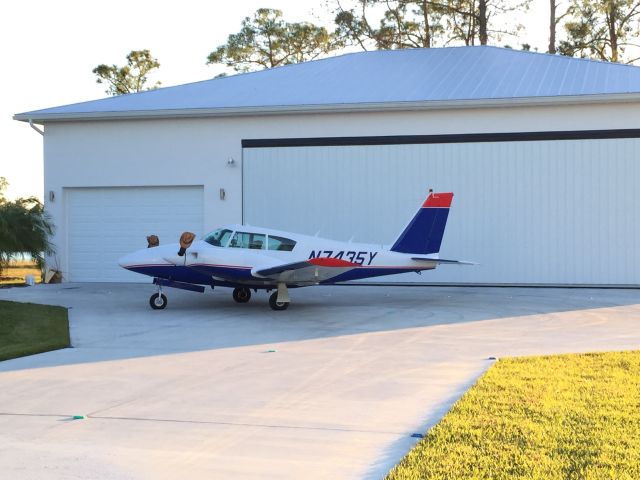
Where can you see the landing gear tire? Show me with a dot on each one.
(158, 301)
(275, 305)
(241, 295)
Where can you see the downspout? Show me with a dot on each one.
(41, 132)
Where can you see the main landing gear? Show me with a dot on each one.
(241, 294)
(275, 304)
(277, 301)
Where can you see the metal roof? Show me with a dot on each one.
(376, 80)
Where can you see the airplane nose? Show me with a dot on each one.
(127, 261)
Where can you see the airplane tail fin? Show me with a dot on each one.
(424, 233)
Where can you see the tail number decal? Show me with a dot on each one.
(354, 257)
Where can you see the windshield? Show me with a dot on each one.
(219, 238)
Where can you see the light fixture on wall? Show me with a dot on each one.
(231, 162)
(52, 195)
(223, 194)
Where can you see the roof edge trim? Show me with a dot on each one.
(41, 118)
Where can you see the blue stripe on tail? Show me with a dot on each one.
(424, 233)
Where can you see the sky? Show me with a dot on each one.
(49, 49)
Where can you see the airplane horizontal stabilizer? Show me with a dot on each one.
(443, 261)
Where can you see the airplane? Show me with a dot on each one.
(249, 258)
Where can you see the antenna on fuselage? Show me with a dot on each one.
(319, 230)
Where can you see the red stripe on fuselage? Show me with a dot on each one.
(438, 200)
(332, 262)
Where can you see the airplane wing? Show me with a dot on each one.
(285, 267)
(443, 261)
(318, 269)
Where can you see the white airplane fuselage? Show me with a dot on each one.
(205, 264)
(252, 258)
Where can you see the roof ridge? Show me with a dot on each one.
(557, 55)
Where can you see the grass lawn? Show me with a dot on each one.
(552, 417)
(26, 328)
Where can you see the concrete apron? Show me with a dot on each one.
(334, 387)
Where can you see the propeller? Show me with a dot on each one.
(186, 239)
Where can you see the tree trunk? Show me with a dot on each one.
(426, 42)
(482, 22)
(552, 26)
(612, 15)
(470, 40)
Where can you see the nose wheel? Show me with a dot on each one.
(241, 294)
(158, 301)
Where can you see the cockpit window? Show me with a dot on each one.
(255, 241)
(219, 238)
(223, 237)
(280, 243)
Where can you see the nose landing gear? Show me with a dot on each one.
(158, 301)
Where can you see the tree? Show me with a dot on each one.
(132, 77)
(24, 228)
(475, 21)
(267, 41)
(601, 29)
(404, 23)
(424, 23)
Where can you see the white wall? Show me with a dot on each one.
(195, 151)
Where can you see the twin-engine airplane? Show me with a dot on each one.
(249, 258)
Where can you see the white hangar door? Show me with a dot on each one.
(103, 224)
(530, 212)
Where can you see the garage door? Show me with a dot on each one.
(103, 224)
(531, 212)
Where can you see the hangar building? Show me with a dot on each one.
(541, 151)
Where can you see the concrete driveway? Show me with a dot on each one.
(195, 391)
